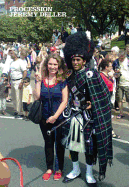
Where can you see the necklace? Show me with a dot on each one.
(51, 81)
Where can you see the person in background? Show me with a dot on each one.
(102, 50)
(123, 86)
(43, 53)
(52, 89)
(79, 28)
(126, 24)
(58, 42)
(26, 59)
(127, 50)
(107, 41)
(100, 41)
(17, 72)
(33, 57)
(106, 68)
(64, 35)
(26, 97)
(3, 92)
(73, 30)
(115, 58)
(98, 58)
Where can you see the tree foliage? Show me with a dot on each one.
(98, 16)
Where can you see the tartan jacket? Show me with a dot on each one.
(101, 112)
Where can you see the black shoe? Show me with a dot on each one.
(15, 113)
(24, 118)
(18, 117)
(8, 100)
(27, 119)
(66, 179)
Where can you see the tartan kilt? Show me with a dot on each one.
(89, 138)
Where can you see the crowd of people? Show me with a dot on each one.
(75, 79)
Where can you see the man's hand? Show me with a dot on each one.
(20, 86)
(89, 105)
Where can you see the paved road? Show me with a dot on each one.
(23, 141)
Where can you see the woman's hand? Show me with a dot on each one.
(37, 75)
(51, 119)
(89, 105)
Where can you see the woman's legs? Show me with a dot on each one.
(49, 144)
(60, 150)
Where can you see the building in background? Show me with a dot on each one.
(2, 8)
(5, 5)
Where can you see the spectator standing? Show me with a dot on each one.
(6, 70)
(26, 59)
(123, 86)
(79, 28)
(73, 30)
(115, 58)
(126, 24)
(107, 41)
(64, 35)
(100, 41)
(102, 50)
(26, 97)
(127, 50)
(106, 66)
(58, 42)
(17, 72)
(33, 57)
(3, 92)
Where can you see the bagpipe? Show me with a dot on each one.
(71, 112)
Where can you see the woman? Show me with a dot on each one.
(52, 89)
(106, 68)
(43, 53)
(58, 42)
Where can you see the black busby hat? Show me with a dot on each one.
(78, 44)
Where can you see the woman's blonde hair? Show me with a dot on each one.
(62, 68)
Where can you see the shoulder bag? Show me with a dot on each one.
(35, 113)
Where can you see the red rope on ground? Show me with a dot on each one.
(20, 168)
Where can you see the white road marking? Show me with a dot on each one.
(120, 140)
(9, 117)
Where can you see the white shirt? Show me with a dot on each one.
(27, 90)
(73, 30)
(17, 68)
(7, 64)
(124, 69)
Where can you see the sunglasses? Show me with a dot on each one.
(25, 82)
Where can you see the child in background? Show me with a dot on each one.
(3, 92)
(26, 97)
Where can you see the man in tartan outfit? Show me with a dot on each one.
(86, 82)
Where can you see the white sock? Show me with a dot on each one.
(89, 174)
(75, 172)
